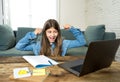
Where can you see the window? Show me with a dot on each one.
(31, 13)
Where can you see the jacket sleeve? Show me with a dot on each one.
(79, 41)
(27, 42)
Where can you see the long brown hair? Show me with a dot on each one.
(45, 44)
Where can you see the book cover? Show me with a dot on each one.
(40, 61)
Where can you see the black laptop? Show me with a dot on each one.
(100, 55)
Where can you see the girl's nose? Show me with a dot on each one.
(53, 34)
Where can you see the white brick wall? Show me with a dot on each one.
(104, 12)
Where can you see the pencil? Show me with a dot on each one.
(50, 62)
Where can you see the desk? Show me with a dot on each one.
(111, 74)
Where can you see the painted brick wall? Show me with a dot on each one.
(104, 12)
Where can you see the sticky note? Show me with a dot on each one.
(22, 72)
(38, 72)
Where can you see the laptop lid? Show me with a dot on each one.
(100, 54)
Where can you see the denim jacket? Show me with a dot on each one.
(29, 44)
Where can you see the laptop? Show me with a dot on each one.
(100, 55)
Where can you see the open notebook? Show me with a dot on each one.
(40, 61)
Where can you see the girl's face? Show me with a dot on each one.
(51, 34)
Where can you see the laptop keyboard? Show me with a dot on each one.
(77, 68)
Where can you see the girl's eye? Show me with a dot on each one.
(55, 31)
(49, 31)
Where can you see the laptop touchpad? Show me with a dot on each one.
(77, 68)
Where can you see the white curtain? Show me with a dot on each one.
(29, 13)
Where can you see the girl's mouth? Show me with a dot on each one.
(52, 39)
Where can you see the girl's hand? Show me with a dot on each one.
(37, 31)
(67, 26)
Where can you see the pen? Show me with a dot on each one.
(50, 62)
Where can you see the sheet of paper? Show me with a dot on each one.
(21, 72)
